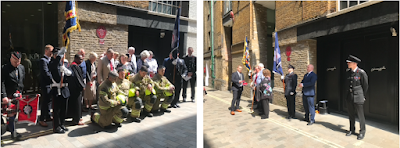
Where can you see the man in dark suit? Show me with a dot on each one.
(167, 64)
(190, 62)
(237, 88)
(290, 91)
(357, 84)
(60, 92)
(308, 84)
(12, 79)
(180, 71)
(45, 79)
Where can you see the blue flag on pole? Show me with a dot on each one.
(175, 33)
(246, 55)
(72, 22)
(277, 57)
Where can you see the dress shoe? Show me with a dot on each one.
(193, 101)
(264, 117)
(293, 117)
(310, 123)
(59, 130)
(165, 110)
(42, 123)
(238, 110)
(288, 117)
(184, 100)
(360, 136)
(64, 128)
(232, 113)
(16, 136)
(177, 106)
(307, 120)
(349, 133)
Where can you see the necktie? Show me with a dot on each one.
(256, 79)
(111, 65)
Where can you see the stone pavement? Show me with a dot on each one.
(248, 130)
(175, 129)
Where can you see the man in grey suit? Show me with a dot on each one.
(105, 66)
(357, 83)
(237, 88)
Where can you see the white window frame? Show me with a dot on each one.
(348, 4)
(162, 8)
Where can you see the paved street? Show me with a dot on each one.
(248, 130)
(175, 129)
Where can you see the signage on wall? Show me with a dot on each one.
(288, 52)
(101, 33)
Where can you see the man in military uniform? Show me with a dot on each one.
(59, 89)
(109, 107)
(134, 101)
(164, 90)
(146, 87)
(290, 92)
(179, 70)
(357, 80)
(12, 79)
(190, 62)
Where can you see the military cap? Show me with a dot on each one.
(59, 52)
(352, 58)
(144, 68)
(16, 54)
(112, 74)
(290, 66)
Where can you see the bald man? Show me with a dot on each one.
(308, 84)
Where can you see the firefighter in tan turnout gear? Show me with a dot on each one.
(164, 90)
(110, 105)
(147, 91)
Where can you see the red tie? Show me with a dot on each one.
(111, 66)
(255, 81)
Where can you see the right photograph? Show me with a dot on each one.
(301, 74)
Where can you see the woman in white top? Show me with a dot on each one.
(152, 64)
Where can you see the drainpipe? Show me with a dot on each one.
(212, 44)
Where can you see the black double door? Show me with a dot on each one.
(379, 51)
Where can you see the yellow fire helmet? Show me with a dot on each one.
(121, 98)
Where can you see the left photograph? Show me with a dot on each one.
(98, 74)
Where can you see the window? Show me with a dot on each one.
(169, 7)
(227, 6)
(343, 4)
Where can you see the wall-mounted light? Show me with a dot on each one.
(393, 31)
(39, 10)
(8, 5)
(48, 3)
(162, 34)
(32, 15)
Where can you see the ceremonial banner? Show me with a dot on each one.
(175, 33)
(246, 55)
(28, 110)
(72, 22)
(277, 58)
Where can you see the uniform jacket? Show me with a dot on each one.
(76, 82)
(10, 83)
(107, 95)
(181, 70)
(357, 85)
(45, 75)
(161, 84)
(309, 84)
(103, 68)
(290, 83)
(190, 64)
(141, 82)
(235, 80)
(123, 85)
(54, 67)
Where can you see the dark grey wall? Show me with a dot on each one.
(143, 19)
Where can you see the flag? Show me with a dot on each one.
(277, 57)
(175, 33)
(72, 21)
(28, 110)
(246, 55)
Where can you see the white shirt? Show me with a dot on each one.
(152, 65)
(240, 78)
(133, 61)
(355, 69)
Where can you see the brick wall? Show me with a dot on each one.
(295, 12)
(134, 4)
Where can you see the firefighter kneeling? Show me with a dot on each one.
(165, 89)
(146, 91)
(110, 105)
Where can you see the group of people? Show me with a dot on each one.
(122, 86)
(356, 82)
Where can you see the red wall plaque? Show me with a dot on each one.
(288, 52)
(101, 32)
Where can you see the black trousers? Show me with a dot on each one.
(178, 87)
(265, 107)
(352, 109)
(192, 85)
(290, 103)
(45, 105)
(59, 110)
(236, 99)
(74, 107)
